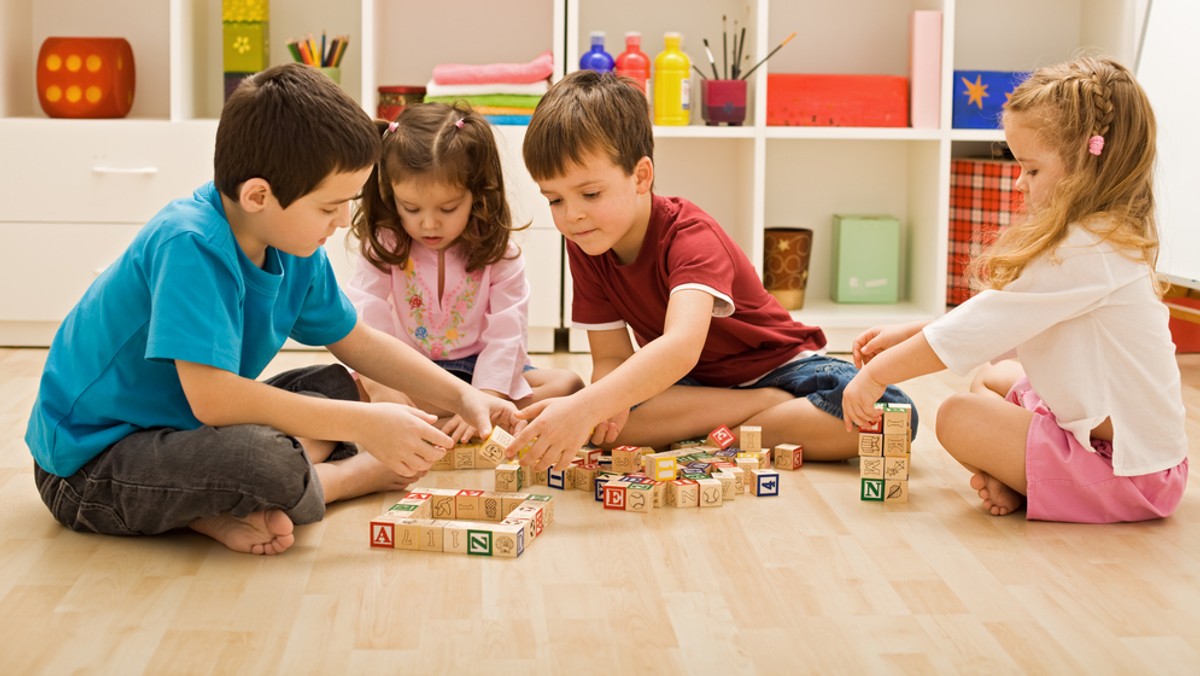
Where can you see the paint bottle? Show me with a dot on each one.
(596, 58)
(633, 63)
(671, 88)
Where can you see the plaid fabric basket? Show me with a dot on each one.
(983, 201)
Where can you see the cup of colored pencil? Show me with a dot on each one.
(325, 55)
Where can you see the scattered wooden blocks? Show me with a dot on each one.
(507, 522)
(885, 455)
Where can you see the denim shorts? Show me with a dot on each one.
(464, 368)
(821, 380)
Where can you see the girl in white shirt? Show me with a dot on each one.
(437, 266)
(1096, 434)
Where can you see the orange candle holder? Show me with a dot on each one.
(85, 77)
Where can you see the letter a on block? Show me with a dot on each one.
(383, 535)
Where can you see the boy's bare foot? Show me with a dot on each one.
(267, 533)
(359, 475)
(998, 499)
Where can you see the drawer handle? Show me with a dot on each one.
(144, 171)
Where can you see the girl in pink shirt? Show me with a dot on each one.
(437, 265)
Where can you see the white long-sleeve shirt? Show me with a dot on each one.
(485, 312)
(1093, 338)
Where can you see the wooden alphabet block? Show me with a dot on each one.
(508, 540)
(721, 437)
(444, 463)
(896, 445)
(408, 535)
(454, 537)
(728, 485)
(493, 448)
(896, 419)
(508, 478)
(614, 495)
(442, 503)
(556, 479)
(660, 466)
(431, 534)
(871, 490)
(467, 506)
(510, 501)
(490, 506)
(464, 456)
(895, 468)
(683, 493)
(870, 444)
(764, 482)
(383, 531)
(711, 493)
(788, 456)
(870, 467)
(748, 464)
(639, 498)
(626, 459)
(546, 503)
(895, 491)
(750, 437)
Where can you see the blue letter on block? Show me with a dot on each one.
(872, 490)
(768, 484)
(556, 479)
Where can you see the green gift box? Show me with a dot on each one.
(866, 259)
(245, 46)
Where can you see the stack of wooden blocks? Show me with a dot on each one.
(885, 454)
(474, 522)
(692, 474)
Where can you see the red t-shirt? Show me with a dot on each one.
(750, 334)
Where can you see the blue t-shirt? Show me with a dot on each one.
(183, 290)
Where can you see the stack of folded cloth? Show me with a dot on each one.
(504, 93)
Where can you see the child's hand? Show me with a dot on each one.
(459, 430)
(480, 411)
(876, 339)
(607, 431)
(858, 401)
(402, 438)
(557, 429)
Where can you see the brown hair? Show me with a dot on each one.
(449, 145)
(588, 112)
(1111, 194)
(292, 127)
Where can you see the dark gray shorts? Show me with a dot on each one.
(157, 480)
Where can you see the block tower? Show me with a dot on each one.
(244, 39)
(885, 452)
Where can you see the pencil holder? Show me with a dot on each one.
(333, 73)
(723, 101)
(785, 264)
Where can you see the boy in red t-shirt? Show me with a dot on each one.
(714, 347)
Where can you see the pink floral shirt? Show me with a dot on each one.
(483, 313)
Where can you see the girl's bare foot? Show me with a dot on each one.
(267, 533)
(998, 499)
(358, 475)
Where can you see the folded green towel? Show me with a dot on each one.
(528, 101)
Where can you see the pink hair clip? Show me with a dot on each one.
(459, 123)
(392, 126)
(1096, 145)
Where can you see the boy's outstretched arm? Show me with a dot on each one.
(402, 437)
(388, 360)
(559, 427)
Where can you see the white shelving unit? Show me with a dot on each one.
(80, 188)
(757, 177)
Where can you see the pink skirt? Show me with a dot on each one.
(1067, 482)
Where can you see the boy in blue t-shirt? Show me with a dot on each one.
(149, 417)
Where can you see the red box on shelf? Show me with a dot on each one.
(983, 201)
(805, 100)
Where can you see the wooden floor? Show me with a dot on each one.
(812, 581)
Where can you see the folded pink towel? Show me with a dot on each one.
(459, 73)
